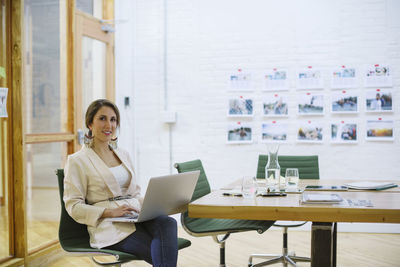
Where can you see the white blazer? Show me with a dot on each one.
(88, 185)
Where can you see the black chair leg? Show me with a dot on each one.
(222, 255)
(221, 243)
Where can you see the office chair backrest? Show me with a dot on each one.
(69, 229)
(307, 165)
(202, 187)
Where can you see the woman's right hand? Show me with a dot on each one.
(118, 212)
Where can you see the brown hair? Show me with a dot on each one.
(95, 106)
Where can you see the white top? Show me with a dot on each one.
(122, 176)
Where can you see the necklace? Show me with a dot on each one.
(108, 157)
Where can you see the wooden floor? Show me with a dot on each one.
(354, 249)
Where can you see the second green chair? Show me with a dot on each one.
(210, 226)
(308, 169)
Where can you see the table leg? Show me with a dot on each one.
(322, 243)
(334, 244)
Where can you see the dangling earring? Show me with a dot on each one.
(88, 139)
(113, 143)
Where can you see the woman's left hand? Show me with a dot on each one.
(122, 210)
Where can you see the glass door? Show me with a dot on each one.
(94, 64)
(46, 118)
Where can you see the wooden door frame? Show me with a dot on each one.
(16, 132)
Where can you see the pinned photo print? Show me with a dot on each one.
(343, 77)
(239, 133)
(344, 132)
(274, 132)
(344, 102)
(3, 102)
(275, 105)
(378, 75)
(240, 107)
(309, 79)
(276, 80)
(379, 130)
(309, 132)
(378, 100)
(310, 104)
(240, 81)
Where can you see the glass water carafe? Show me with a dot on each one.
(273, 170)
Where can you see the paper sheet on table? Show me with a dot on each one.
(366, 185)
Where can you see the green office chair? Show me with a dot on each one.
(214, 227)
(74, 237)
(308, 169)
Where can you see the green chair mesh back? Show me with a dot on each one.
(202, 225)
(202, 187)
(74, 236)
(307, 165)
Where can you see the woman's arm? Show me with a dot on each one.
(75, 191)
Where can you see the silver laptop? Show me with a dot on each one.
(164, 195)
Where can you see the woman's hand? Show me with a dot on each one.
(118, 212)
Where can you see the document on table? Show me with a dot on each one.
(321, 198)
(365, 185)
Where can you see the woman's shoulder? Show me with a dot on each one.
(82, 153)
(121, 151)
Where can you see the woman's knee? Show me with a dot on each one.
(166, 221)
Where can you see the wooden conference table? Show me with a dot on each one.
(386, 209)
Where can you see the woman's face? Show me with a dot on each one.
(104, 125)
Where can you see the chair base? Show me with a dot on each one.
(285, 259)
(116, 263)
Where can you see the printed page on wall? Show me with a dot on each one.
(378, 75)
(309, 78)
(276, 80)
(240, 107)
(274, 132)
(310, 103)
(378, 100)
(240, 81)
(3, 102)
(343, 78)
(379, 130)
(239, 133)
(344, 102)
(343, 132)
(309, 132)
(276, 105)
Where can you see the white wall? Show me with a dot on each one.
(207, 40)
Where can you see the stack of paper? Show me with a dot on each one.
(321, 198)
(365, 185)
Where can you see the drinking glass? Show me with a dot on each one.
(292, 179)
(249, 187)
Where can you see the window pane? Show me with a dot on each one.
(45, 66)
(4, 218)
(93, 71)
(92, 7)
(43, 200)
(4, 162)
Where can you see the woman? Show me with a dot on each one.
(100, 183)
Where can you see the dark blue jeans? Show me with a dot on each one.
(155, 241)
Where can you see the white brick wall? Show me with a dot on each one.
(207, 40)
